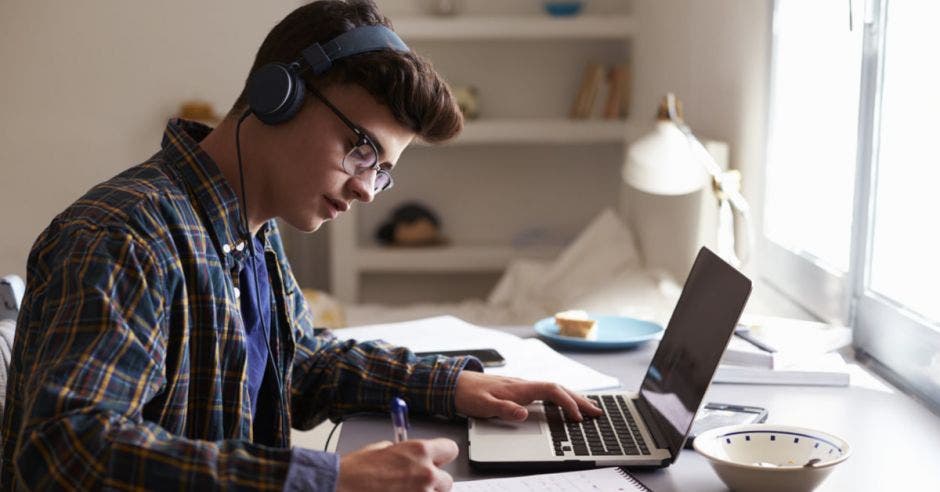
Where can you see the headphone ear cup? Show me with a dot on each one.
(275, 93)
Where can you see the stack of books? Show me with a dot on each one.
(770, 350)
(608, 85)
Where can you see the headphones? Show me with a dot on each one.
(276, 90)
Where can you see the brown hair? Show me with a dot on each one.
(405, 82)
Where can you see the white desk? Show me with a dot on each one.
(895, 441)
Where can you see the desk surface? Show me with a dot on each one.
(895, 441)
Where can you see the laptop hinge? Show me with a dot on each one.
(658, 438)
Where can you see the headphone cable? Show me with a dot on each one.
(251, 245)
(346, 418)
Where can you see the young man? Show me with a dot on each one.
(163, 341)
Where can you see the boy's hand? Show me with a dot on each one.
(485, 395)
(409, 465)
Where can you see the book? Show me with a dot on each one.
(625, 86)
(587, 93)
(618, 84)
(816, 370)
(790, 337)
(575, 481)
(596, 111)
(740, 352)
(797, 335)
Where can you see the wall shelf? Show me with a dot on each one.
(560, 131)
(444, 258)
(514, 27)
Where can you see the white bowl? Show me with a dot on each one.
(771, 457)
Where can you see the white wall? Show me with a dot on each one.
(87, 86)
(714, 54)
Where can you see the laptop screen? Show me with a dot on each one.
(695, 338)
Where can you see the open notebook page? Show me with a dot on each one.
(600, 479)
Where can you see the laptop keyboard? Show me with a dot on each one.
(613, 434)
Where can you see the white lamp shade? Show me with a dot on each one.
(663, 163)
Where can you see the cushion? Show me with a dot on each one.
(7, 329)
(11, 295)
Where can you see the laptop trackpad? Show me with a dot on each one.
(497, 426)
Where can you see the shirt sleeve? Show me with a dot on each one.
(332, 378)
(312, 470)
(95, 349)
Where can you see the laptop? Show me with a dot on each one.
(638, 429)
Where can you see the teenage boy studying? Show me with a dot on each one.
(163, 341)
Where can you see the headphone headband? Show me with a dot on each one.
(276, 90)
(362, 39)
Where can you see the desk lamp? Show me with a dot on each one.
(667, 170)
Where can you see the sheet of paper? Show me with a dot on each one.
(430, 334)
(611, 479)
(525, 358)
(532, 359)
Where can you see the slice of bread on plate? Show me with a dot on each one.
(576, 323)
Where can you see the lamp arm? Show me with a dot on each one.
(729, 191)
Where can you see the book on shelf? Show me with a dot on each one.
(626, 84)
(591, 81)
(618, 93)
(604, 92)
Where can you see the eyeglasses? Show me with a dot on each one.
(364, 156)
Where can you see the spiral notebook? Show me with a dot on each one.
(607, 479)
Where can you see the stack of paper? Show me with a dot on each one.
(804, 354)
(818, 370)
(525, 358)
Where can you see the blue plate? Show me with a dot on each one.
(613, 332)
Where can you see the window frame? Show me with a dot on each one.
(908, 354)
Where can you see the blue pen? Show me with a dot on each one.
(399, 419)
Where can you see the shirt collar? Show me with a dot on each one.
(206, 185)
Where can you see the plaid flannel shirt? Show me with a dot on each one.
(129, 365)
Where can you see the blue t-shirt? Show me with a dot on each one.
(257, 334)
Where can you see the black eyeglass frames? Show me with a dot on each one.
(364, 155)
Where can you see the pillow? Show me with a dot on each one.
(11, 295)
(7, 330)
(519, 283)
(636, 293)
(604, 249)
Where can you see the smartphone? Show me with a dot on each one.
(489, 357)
(721, 414)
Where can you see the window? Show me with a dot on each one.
(853, 175)
(905, 260)
(813, 130)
